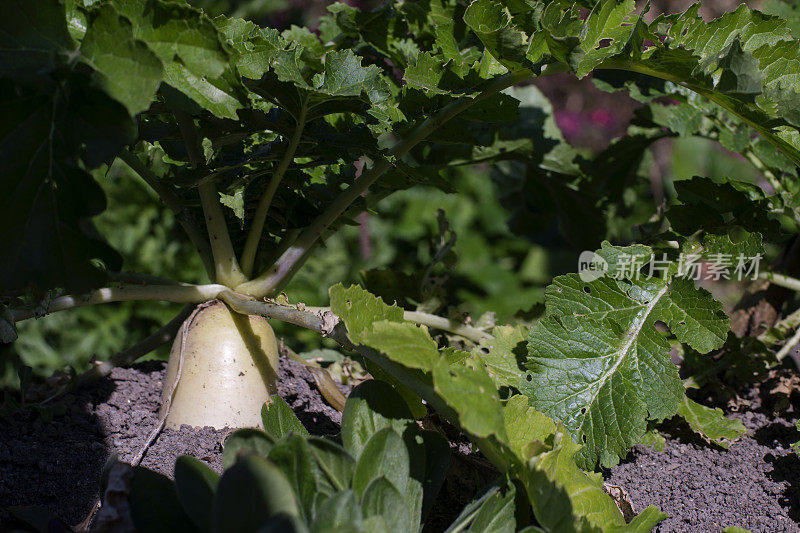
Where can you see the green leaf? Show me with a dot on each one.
(334, 460)
(195, 484)
(254, 47)
(371, 407)
(653, 439)
(249, 493)
(492, 23)
(505, 354)
(429, 454)
(466, 387)
(414, 402)
(359, 310)
(33, 36)
(235, 202)
(124, 66)
(382, 498)
(565, 498)
(245, 440)
(469, 389)
(155, 505)
(410, 344)
(599, 365)
(492, 507)
(436, 75)
(718, 208)
(385, 456)
(279, 419)
(610, 22)
(496, 514)
(293, 456)
(524, 424)
(338, 512)
(48, 136)
(344, 75)
(196, 62)
(788, 11)
(711, 424)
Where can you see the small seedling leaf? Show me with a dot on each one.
(279, 419)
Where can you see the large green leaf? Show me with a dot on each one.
(33, 34)
(56, 122)
(565, 498)
(195, 484)
(293, 456)
(125, 67)
(371, 407)
(249, 493)
(599, 365)
(46, 197)
(196, 61)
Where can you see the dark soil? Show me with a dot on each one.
(703, 487)
(58, 465)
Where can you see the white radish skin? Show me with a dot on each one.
(229, 370)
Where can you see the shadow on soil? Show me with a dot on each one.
(55, 465)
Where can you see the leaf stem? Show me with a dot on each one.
(786, 348)
(781, 330)
(781, 280)
(445, 324)
(174, 203)
(226, 267)
(124, 293)
(283, 267)
(257, 224)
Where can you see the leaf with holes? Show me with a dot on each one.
(598, 363)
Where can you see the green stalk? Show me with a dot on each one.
(782, 329)
(786, 348)
(257, 224)
(445, 324)
(267, 281)
(226, 266)
(124, 293)
(225, 263)
(780, 280)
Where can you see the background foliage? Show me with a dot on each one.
(499, 263)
